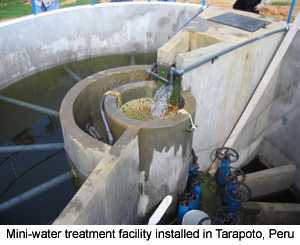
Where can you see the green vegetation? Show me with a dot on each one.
(17, 8)
(281, 3)
(13, 9)
(75, 3)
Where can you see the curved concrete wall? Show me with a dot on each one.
(39, 42)
(81, 106)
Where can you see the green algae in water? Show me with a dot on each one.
(48, 88)
(140, 109)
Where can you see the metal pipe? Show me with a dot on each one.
(109, 135)
(29, 106)
(72, 74)
(226, 51)
(36, 147)
(157, 76)
(202, 8)
(15, 201)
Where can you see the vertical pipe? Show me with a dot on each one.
(33, 6)
(291, 11)
(109, 135)
(176, 81)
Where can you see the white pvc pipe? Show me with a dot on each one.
(160, 211)
(15, 201)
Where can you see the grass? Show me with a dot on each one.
(13, 8)
(17, 8)
(78, 2)
(281, 3)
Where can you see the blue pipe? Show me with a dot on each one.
(33, 7)
(229, 198)
(183, 208)
(223, 172)
(203, 2)
(291, 11)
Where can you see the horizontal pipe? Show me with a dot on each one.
(36, 147)
(29, 106)
(157, 76)
(15, 201)
(216, 55)
(72, 74)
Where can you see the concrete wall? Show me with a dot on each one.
(264, 213)
(283, 134)
(110, 195)
(81, 106)
(222, 89)
(164, 146)
(39, 42)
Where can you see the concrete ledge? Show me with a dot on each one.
(264, 213)
(110, 194)
(272, 180)
(81, 105)
(36, 43)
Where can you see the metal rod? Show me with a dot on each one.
(157, 76)
(29, 106)
(226, 51)
(15, 201)
(72, 74)
(202, 8)
(36, 147)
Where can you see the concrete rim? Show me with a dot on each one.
(66, 111)
(111, 108)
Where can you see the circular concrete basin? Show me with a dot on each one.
(144, 90)
(165, 145)
(81, 106)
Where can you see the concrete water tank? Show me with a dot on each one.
(165, 145)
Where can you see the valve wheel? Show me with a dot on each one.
(227, 153)
(236, 174)
(242, 194)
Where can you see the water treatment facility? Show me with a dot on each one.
(150, 113)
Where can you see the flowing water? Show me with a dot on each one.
(161, 101)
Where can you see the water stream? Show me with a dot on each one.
(161, 100)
